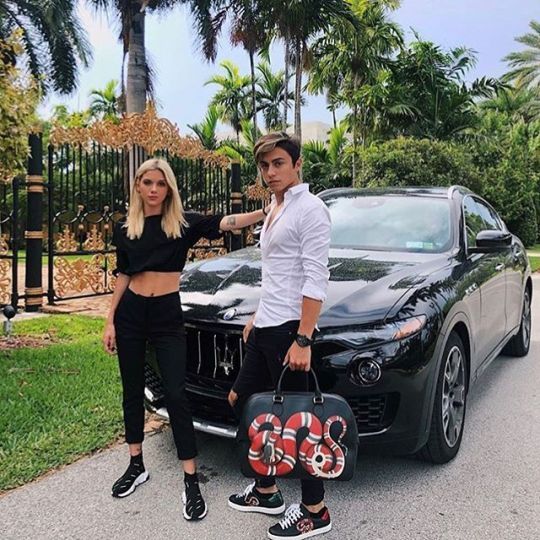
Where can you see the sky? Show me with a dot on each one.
(487, 26)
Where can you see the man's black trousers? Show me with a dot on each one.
(266, 349)
(159, 320)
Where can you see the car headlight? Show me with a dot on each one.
(392, 331)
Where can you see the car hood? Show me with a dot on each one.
(363, 285)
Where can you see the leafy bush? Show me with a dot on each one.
(17, 110)
(417, 162)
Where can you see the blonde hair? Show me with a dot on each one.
(172, 218)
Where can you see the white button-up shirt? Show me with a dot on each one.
(294, 257)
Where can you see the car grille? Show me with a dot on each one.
(214, 356)
(153, 382)
(374, 413)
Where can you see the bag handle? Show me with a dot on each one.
(278, 393)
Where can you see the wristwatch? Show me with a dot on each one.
(303, 341)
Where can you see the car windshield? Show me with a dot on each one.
(390, 223)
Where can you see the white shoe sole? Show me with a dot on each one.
(189, 518)
(259, 509)
(141, 479)
(322, 530)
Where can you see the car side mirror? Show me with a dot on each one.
(491, 241)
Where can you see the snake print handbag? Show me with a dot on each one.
(298, 435)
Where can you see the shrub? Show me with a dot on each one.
(417, 162)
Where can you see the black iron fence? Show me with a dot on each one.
(88, 194)
(67, 220)
(10, 234)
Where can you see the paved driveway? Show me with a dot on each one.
(490, 491)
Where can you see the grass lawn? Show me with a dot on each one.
(535, 263)
(58, 401)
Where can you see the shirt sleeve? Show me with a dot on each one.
(122, 261)
(201, 226)
(314, 246)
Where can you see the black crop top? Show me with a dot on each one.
(153, 251)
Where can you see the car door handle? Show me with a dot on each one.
(499, 267)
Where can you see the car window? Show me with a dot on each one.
(491, 220)
(391, 222)
(474, 222)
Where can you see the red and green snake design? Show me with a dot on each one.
(273, 450)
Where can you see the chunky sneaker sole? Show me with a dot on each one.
(258, 509)
(141, 479)
(187, 516)
(309, 534)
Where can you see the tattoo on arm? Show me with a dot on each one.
(231, 220)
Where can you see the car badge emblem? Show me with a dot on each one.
(230, 314)
(227, 356)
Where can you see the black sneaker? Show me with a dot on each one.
(195, 508)
(252, 501)
(298, 523)
(127, 483)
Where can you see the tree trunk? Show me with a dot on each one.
(253, 93)
(355, 142)
(286, 85)
(298, 92)
(137, 78)
(137, 75)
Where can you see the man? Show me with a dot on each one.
(294, 242)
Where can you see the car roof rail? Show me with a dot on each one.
(452, 190)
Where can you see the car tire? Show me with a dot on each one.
(448, 415)
(520, 343)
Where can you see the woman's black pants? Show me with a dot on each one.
(158, 320)
(266, 349)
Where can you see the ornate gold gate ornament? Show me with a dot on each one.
(65, 241)
(82, 276)
(5, 271)
(146, 130)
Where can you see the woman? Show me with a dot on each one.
(152, 246)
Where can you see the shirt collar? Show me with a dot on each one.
(292, 192)
(296, 190)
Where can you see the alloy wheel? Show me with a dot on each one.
(526, 320)
(453, 396)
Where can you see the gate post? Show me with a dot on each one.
(34, 225)
(236, 204)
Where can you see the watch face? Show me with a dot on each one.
(303, 341)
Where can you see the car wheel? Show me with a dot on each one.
(448, 418)
(520, 343)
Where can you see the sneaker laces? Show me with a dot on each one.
(293, 513)
(247, 491)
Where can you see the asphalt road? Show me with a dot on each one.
(490, 491)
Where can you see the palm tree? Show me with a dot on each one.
(131, 16)
(325, 164)
(517, 103)
(299, 21)
(53, 39)
(104, 102)
(433, 82)
(271, 96)
(349, 56)
(250, 29)
(526, 64)
(206, 130)
(232, 96)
